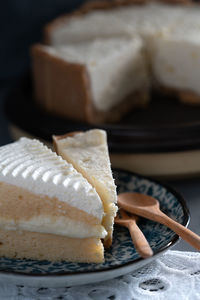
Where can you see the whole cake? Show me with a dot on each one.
(48, 209)
(104, 58)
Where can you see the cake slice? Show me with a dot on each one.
(93, 81)
(48, 209)
(88, 153)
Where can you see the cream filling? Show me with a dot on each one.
(59, 226)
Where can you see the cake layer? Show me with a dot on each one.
(22, 210)
(41, 246)
(88, 153)
(30, 165)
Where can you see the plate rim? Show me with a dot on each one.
(173, 241)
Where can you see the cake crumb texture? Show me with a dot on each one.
(40, 246)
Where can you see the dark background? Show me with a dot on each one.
(21, 24)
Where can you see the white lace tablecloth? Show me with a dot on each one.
(175, 275)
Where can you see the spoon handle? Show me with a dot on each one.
(186, 234)
(139, 240)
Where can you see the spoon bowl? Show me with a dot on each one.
(148, 207)
(137, 199)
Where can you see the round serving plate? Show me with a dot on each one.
(121, 258)
(161, 140)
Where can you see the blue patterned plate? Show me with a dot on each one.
(121, 258)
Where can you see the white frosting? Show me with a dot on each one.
(31, 165)
(112, 65)
(55, 225)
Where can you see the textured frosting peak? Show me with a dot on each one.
(31, 165)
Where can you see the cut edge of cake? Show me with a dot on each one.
(96, 169)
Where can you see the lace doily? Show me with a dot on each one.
(175, 275)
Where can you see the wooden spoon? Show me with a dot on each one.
(148, 207)
(138, 238)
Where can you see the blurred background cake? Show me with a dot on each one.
(101, 60)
